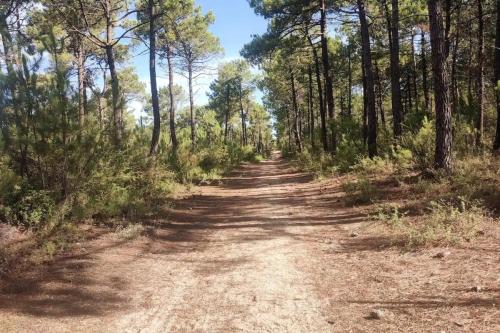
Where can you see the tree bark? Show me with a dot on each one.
(152, 77)
(80, 57)
(322, 112)
(496, 142)
(454, 57)
(380, 97)
(443, 158)
(173, 136)
(370, 86)
(480, 76)
(425, 85)
(414, 71)
(296, 129)
(365, 101)
(396, 103)
(228, 112)
(326, 72)
(115, 85)
(349, 83)
(242, 115)
(311, 107)
(191, 105)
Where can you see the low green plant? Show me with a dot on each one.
(130, 231)
(360, 191)
(28, 208)
(444, 223)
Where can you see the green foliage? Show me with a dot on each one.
(27, 207)
(445, 223)
(421, 145)
(360, 191)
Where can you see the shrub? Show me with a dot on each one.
(445, 223)
(28, 208)
(360, 191)
(421, 144)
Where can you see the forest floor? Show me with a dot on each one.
(267, 249)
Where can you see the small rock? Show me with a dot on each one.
(476, 289)
(442, 254)
(480, 233)
(254, 298)
(462, 322)
(330, 321)
(354, 234)
(376, 314)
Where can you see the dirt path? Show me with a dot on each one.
(267, 250)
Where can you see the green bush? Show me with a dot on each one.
(421, 144)
(360, 192)
(28, 208)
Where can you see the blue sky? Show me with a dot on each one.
(235, 23)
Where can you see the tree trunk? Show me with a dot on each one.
(425, 85)
(152, 77)
(365, 101)
(454, 81)
(397, 116)
(443, 158)
(480, 75)
(228, 112)
(6, 39)
(296, 129)
(80, 57)
(380, 97)
(414, 70)
(326, 71)
(242, 115)
(191, 105)
(496, 143)
(115, 85)
(320, 95)
(173, 136)
(370, 86)
(349, 82)
(311, 107)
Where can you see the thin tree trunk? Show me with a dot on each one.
(115, 85)
(443, 158)
(365, 100)
(320, 95)
(480, 76)
(469, 66)
(349, 80)
(228, 111)
(496, 143)
(296, 129)
(80, 57)
(414, 70)
(367, 57)
(6, 39)
(191, 105)
(380, 96)
(311, 107)
(326, 71)
(242, 115)
(173, 136)
(425, 85)
(397, 116)
(152, 77)
(454, 81)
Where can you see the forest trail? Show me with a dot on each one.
(266, 250)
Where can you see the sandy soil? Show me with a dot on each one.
(267, 250)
